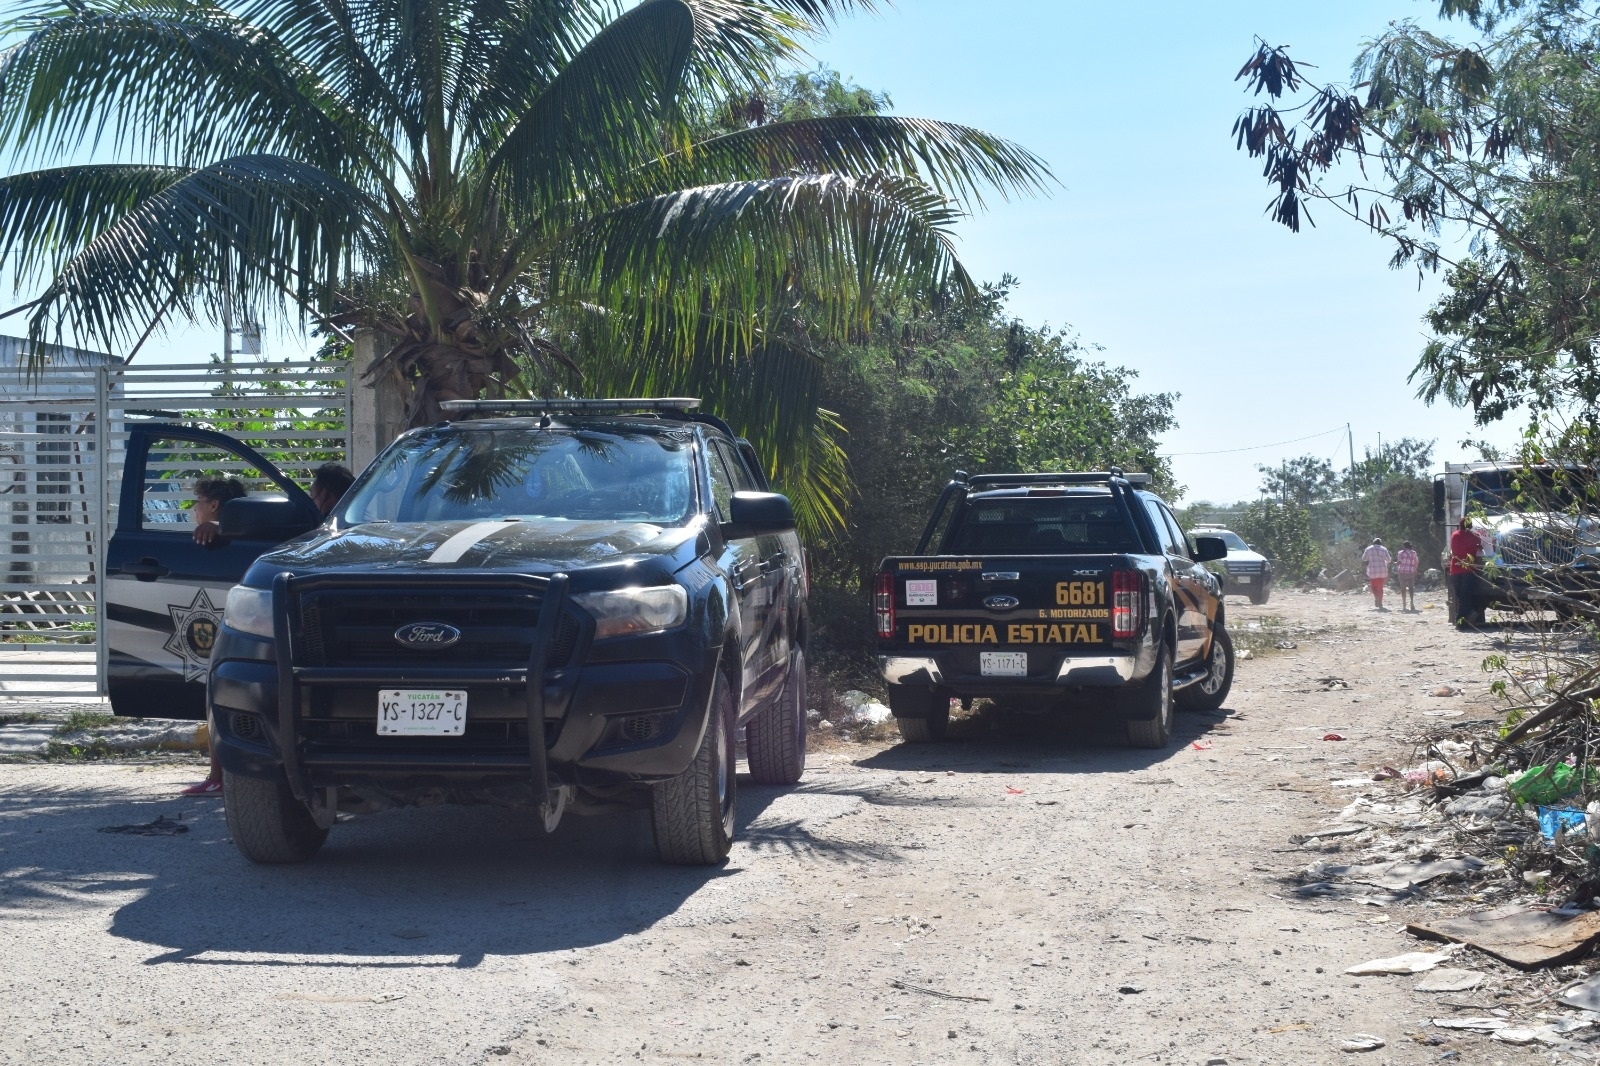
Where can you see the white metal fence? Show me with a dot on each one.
(62, 439)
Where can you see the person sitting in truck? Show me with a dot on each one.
(1466, 552)
(209, 496)
(329, 483)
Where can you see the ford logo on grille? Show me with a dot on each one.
(427, 636)
(1001, 603)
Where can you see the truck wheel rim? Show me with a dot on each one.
(1219, 666)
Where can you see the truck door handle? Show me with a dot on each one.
(1002, 575)
(146, 569)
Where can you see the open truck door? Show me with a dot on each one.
(163, 592)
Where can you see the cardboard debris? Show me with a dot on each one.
(1405, 876)
(1410, 962)
(1585, 995)
(1481, 1024)
(1447, 979)
(1525, 938)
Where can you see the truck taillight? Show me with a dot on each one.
(883, 604)
(1127, 603)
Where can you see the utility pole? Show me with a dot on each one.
(1350, 438)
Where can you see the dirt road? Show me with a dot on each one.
(1029, 892)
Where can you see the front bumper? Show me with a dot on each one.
(616, 713)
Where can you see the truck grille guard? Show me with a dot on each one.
(286, 589)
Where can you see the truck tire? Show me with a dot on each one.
(268, 824)
(1152, 699)
(775, 739)
(692, 814)
(1208, 693)
(921, 717)
(1261, 595)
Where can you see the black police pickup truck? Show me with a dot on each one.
(1051, 586)
(572, 608)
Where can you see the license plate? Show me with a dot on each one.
(413, 712)
(1003, 663)
(1242, 580)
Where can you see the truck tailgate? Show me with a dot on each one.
(986, 610)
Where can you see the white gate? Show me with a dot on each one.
(60, 476)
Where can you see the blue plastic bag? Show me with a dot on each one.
(1555, 819)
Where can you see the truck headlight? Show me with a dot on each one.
(249, 611)
(630, 612)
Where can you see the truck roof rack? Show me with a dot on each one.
(979, 482)
(640, 404)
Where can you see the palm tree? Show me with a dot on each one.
(505, 188)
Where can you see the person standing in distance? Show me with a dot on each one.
(329, 483)
(1405, 576)
(1466, 549)
(1377, 559)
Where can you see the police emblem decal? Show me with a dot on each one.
(194, 633)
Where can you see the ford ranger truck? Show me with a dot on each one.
(1047, 589)
(574, 607)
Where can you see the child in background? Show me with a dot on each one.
(1405, 575)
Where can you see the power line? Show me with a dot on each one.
(1256, 447)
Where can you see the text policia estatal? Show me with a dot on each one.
(1023, 633)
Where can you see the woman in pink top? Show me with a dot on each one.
(1405, 575)
(1377, 559)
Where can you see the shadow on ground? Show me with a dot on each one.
(440, 886)
(1090, 741)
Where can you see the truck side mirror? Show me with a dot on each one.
(1438, 502)
(755, 514)
(264, 518)
(1209, 549)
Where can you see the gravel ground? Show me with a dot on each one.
(1029, 892)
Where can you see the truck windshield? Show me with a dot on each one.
(1050, 525)
(584, 474)
(1516, 489)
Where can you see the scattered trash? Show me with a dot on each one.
(1553, 820)
(1524, 938)
(1443, 714)
(1013, 791)
(1329, 684)
(1448, 979)
(1516, 1036)
(1548, 785)
(1480, 1024)
(1245, 654)
(1404, 875)
(1388, 773)
(864, 710)
(1130, 990)
(1201, 745)
(1445, 690)
(1333, 736)
(1361, 1042)
(161, 827)
(1585, 995)
(1286, 645)
(1410, 962)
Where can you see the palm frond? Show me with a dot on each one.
(249, 232)
(602, 115)
(957, 162)
(172, 81)
(48, 216)
(749, 249)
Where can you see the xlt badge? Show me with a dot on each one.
(426, 636)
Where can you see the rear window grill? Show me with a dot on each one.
(356, 627)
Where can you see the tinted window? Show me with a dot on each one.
(463, 475)
(1042, 526)
(722, 483)
(1165, 534)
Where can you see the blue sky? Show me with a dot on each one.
(1156, 246)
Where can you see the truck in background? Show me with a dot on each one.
(1540, 528)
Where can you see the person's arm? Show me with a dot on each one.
(207, 533)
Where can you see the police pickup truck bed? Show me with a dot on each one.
(1046, 588)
